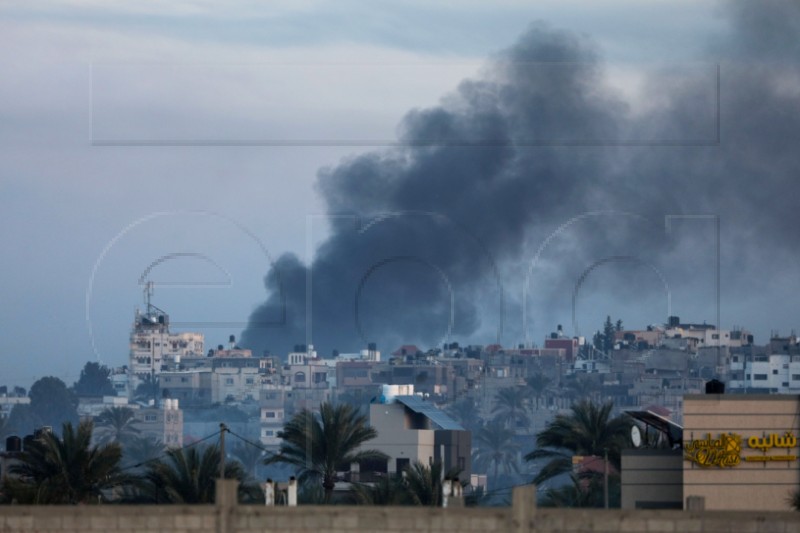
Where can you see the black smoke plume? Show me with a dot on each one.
(456, 213)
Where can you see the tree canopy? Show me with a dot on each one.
(66, 469)
(319, 444)
(94, 381)
(188, 475)
(588, 429)
(52, 403)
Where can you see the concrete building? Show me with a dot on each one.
(741, 451)
(307, 375)
(411, 429)
(164, 423)
(735, 452)
(273, 398)
(153, 347)
(767, 373)
(191, 387)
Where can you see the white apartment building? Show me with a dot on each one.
(273, 412)
(153, 348)
(777, 372)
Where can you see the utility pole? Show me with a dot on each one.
(605, 477)
(222, 429)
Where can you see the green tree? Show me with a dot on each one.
(588, 429)
(618, 325)
(139, 449)
(249, 456)
(22, 420)
(147, 390)
(188, 476)
(66, 469)
(319, 445)
(389, 490)
(538, 384)
(52, 403)
(495, 449)
(423, 484)
(510, 406)
(116, 424)
(94, 381)
(608, 335)
(466, 412)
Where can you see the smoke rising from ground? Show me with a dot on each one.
(458, 213)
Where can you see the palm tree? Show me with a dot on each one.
(496, 448)
(466, 412)
(249, 456)
(139, 449)
(67, 469)
(538, 384)
(188, 475)
(510, 406)
(389, 490)
(116, 424)
(319, 445)
(587, 430)
(794, 499)
(423, 483)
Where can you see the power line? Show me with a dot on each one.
(171, 450)
(251, 443)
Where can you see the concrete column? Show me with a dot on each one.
(269, 493)
(291, 492)
(523, 507)
(226, 500)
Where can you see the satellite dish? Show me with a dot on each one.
(636, 436)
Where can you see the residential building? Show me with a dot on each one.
(412, 429)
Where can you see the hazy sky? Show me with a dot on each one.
(182, 141)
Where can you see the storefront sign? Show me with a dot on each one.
(726, 450)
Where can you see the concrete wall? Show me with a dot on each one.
(226, 517)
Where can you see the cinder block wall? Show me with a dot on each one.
(521, 517)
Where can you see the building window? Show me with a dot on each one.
(228, 381)
(785, 384)
(760, 377)
(300, 377)
(268, 432)
(269, 414)
(149, 418)
(401, 463)
(795, 377)
(249, 381)
(775, 371)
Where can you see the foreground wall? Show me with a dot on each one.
(226, 517)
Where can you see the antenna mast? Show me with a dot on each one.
(148, 293)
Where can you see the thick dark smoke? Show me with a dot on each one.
(460, 209)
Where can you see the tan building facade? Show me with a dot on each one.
(741, 452)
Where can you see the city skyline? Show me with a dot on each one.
(137, 143)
